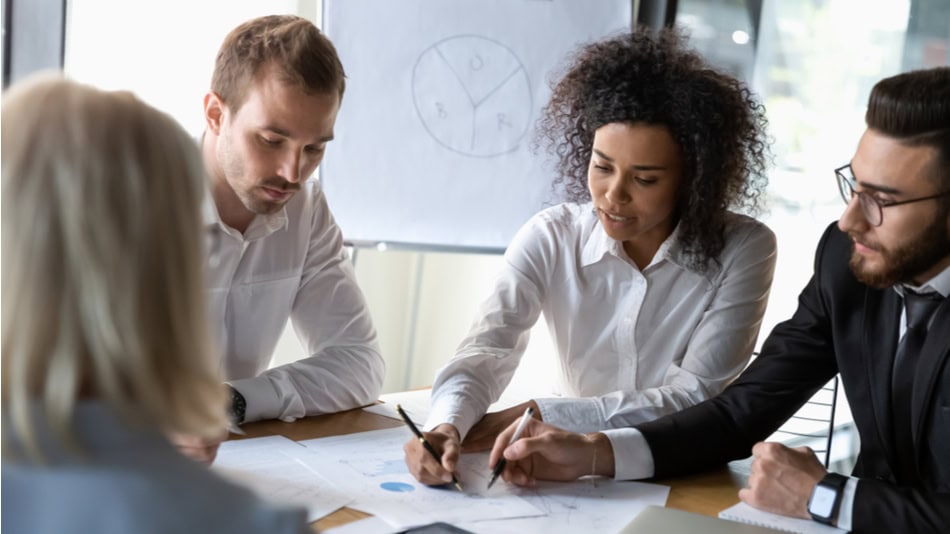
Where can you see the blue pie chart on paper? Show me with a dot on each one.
(398, 487)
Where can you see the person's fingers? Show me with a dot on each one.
(760, 449)
(203, 450)
(425, 467)
(205, 455)
(747, 496)
(421, 464)
(501, 442)
(211, 452)
(516, 474)
(805, 450)
(450, 455)
(525, 447)
(412, 459)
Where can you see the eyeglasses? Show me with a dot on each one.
(872, 207)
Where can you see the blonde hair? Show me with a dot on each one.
(102, 263)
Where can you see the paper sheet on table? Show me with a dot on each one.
(370, 466)
(273, 468)
(744, 513)
(416, 404)
(596, 505)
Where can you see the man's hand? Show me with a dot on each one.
(545, 452)
(483, 434)
(445, 440)
(782, 479)
(201, 449)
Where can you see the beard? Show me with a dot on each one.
(248, 189)
(264, 206)
(909, 260)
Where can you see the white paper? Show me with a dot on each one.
(744, 513)
(273, 467)
(414, 403)
(433, 138)
(417, 405)
(371, 467)
(594, 505)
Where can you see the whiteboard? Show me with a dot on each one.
(432, 144)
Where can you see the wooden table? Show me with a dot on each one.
(705, 493)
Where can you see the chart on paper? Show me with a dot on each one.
(371, 467)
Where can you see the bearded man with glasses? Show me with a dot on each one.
(876, 311)
(904, 259)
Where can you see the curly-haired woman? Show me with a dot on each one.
(652, 289)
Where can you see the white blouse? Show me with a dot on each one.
(631, 345)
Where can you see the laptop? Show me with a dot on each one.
(657, 519)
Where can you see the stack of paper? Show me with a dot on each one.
(275, 469)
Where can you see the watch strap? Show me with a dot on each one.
(238, 406)
(836, 483)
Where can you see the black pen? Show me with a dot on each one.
(422, 439)
(500, 466)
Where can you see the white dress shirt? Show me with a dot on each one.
(291, 264)
(632, 345)
(633, 459)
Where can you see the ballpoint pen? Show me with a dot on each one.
(500, 466)
(422, 439)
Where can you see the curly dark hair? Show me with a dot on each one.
(655, 78)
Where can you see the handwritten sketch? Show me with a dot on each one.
(595, 505)
(433, 141)
(472, 95)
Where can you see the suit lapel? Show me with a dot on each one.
(882, 315)
(932, 355)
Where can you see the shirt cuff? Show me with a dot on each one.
(451, 410)
(846, 509)
(633, 459)
(260, 396)
(576, 415)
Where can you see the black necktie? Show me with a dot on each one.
(919, 308)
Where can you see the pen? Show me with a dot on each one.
(422, 439)
(500, 466)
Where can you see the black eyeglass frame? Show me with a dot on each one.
(867, 201)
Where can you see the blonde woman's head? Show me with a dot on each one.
(102, 280)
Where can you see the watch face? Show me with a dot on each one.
(822, 501)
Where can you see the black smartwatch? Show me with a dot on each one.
(825, 500)
(238, 406)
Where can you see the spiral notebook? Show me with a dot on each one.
(744, 513)
(657, 519)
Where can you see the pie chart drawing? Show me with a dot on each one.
(472, 95)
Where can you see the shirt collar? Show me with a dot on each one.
(599, 244)
(261, 226)
(939, 283)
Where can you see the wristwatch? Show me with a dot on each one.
(238, 406)
(825, 499)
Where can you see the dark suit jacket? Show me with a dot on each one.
(841, 325)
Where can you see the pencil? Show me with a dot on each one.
(500, 466)
(428, 446)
